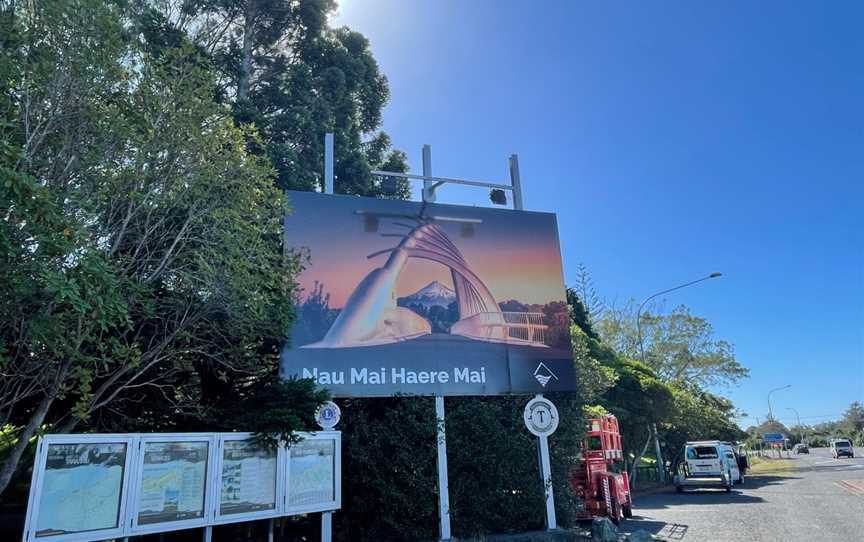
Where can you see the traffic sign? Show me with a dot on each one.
(773, 437)
(541, 416)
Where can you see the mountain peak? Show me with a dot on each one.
(433, 293)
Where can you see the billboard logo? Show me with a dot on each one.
(543, 374)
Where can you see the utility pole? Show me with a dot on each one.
(800, 427)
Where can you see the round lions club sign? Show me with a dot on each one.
(327, 415)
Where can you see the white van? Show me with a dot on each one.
(841, 447)
(709, 463)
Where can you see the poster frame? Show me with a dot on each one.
(336, 503)
(35, 494)
(281, 484)
(134, 502)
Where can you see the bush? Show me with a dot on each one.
(390, 489)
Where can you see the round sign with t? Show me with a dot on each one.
(541, 416)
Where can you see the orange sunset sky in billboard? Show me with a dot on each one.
(515, 253)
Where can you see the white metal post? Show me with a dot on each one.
(546, 477)
(516, 181)
(428, 193)
(443, 487)
(208, 533)
(270, 529)
(327, 527)
(328, 163)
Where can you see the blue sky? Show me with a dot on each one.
(672, 139)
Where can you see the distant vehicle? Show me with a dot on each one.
(708, 463)
(841, 447)
(801, 448)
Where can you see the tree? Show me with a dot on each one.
(853, 419)
(697, 415)
(142, 243)
(680, 347)
(285, 71)
(587, 293)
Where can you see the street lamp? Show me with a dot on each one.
(649, 298)
(800, 427)
(771, 412)
(661, 473)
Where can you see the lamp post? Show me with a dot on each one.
(770, 411)
(800, 427)
(661, 471)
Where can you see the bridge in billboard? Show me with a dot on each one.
(424, 298)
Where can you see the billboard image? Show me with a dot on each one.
(424, 298)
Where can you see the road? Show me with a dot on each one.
(820, 499)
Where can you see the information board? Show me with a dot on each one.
(173, 476)
(248, 478)
(81, 488)
(311, 474)
(93, 487)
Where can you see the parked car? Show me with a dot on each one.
(801, 448)
(841, 447)
(710, 463)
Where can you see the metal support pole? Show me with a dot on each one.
(443, 486)
(328, 163)
(208, 534)
(270, 529)
(661, 468)
(546, 478)
(516, 181)
(327, 527)
(428, 186)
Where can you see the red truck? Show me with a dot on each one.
(603, 491)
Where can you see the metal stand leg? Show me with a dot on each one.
(327, 527)
(270, 529)
(546, 478)
(443, 486)
(208, 534)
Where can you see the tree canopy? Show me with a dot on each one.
(679, 346)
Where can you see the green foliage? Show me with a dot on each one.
(272, 408)
(144, 278)
(698, 415)
(668, 391)
(284, 70)
(678, 346)
(390, 476)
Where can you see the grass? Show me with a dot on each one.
(770, 465)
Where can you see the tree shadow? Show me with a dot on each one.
(659, 501)
(757, 481)
(667, 531)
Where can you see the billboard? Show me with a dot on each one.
(401, 297)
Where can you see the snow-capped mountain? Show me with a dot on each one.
(430, 295)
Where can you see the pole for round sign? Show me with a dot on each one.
(541, 418)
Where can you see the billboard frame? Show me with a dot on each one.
(32, 515)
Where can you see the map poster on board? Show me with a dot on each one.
(172, 482)
(312, 468)
(248, 478)
(81, 488)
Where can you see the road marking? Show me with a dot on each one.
(855, 487)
